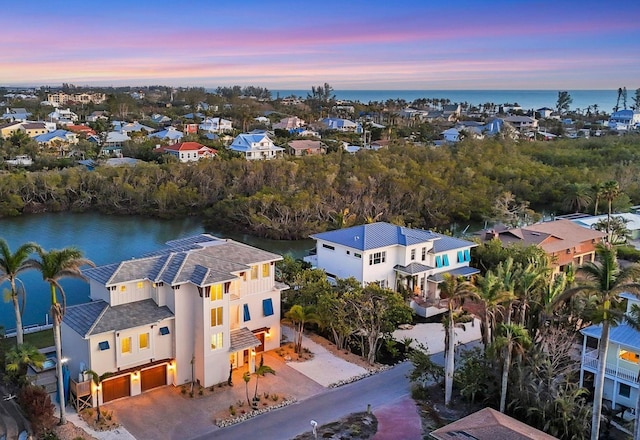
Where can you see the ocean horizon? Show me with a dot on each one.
(527, 99)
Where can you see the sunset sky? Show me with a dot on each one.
(351, 44)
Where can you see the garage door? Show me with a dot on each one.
(153, 377)
(116, 388)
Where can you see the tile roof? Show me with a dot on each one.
(97, 317)
(201, 260)
(381, 234)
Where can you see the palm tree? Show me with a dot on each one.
(247, 377)
(512, 337)
(97, 380)
(493, 299)
(597, 194)
(12, 264)
(577, 197)
(610, 192)
(528, 280)
(455, 290)
(260, 372)
(506, 273)
(19, 358)
(298, 316)
(606, 281)
(54, 265)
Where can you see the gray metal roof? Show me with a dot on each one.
(381, 234)
(243, 338)
(622, 334)
(201, 260)
(460, 271)
(412, 269)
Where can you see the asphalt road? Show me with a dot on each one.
(378, 390)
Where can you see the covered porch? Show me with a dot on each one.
(428, 303)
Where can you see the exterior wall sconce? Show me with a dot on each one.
(136, 375)
(268, 332)
(171, 365)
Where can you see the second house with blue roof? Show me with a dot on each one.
(394, 257)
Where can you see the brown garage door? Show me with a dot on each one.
(116, 388)
(154, 377)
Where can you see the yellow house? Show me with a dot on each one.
(34, 129)
(7, 129)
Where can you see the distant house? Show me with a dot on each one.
(305, 147)
(393, 257)
(131, 127)
(290, 123)
(33, 129)
(624, 120)
(8, 128)
(339, 124)
(451, 112)
(215, 125)
(256, 146)
(16, 114)
(96, 115)
(522, 122)
(84, 129)
(451, 135)
(160, 119)
(188, 151)
(562, 240)
(631, 220)
(170, 134)
(62, 116)
(545, 112)
(57, 137)
(622, 365)
(81, 98)
(113, 144)
(489, 424)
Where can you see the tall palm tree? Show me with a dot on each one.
(529, 279)
(11, 265)
(454, 290)
(493, 299)
(610, 192)
(597, 194)
(55, 265)
(298, 316)
(261, 371)
(506, 273)
(512, 338)
(606, 280)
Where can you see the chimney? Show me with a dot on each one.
(490, 234)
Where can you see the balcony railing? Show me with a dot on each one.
(590, 361)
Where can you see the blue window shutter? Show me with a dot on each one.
(460, 256)
(247, 315)
(445, 260)
(267, 307)
(438, 261)
(467, 255)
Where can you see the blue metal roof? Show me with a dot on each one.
(381, 234)
(622, 334)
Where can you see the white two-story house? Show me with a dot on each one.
(621, 385)
(256, 146)
(191, 312)
(395, 257)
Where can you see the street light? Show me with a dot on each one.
(314, 426)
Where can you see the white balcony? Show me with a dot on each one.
(590, 362)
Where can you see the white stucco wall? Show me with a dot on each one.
(75, 348)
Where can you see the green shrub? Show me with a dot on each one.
(628, 253)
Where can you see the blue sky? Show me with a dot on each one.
(350, 44)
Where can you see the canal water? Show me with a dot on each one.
(103, 239)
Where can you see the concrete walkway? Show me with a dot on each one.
(432, 335)
(325, 368)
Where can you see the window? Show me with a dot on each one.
(445, 260)
(243, 275)
(216, 341)
(413, 254)
(125, 345)
(123, 288)
(140, 285)
(424, 253)
(629, 356)
(624, 390)
(143, 341)
(216, 292)
(104, 345)
(377, 258)
(266, 270)
(247, 315)
(326, 246)
(267, 307)
(254, 272)
(164, 331)
(216, 316)
(357, 255)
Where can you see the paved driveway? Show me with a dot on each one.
(164, 413)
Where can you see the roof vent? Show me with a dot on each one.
(356, 238)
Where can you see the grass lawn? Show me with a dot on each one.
(40, 339)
